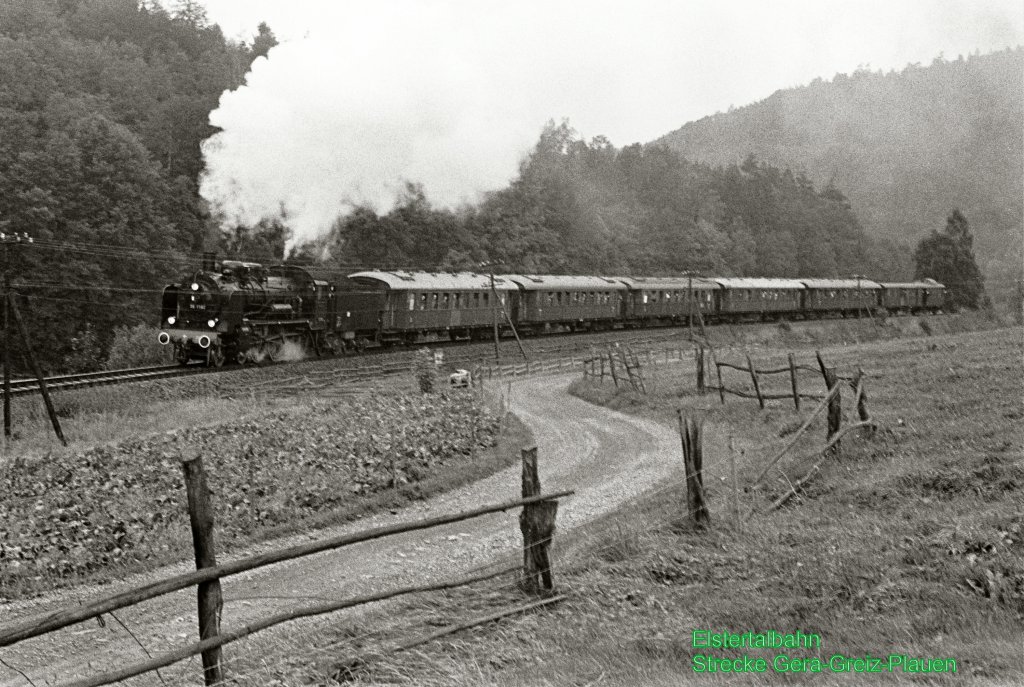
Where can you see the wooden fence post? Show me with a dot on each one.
(537, 522)
(835, 410)
(792, 378)
(698, 354)
(721, 386)
(757, 387)
(200, 515)
(861, 397)
(735, 485)
(690, 432)
(611, 366)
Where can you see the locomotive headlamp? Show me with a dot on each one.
(211, 323)
(172, 319)
(195, 286)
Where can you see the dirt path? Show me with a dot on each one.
(607, 457)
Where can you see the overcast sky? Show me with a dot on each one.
(361, 96)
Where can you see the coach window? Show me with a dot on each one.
(433, 301)
(412, 301)
(476, 300)
(458, 301)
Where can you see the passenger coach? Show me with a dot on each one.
(666, 300)
(456, 305)
(913, 297)
(547, 302)
(744, 298)
(847, 297)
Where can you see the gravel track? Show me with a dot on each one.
(607, 457)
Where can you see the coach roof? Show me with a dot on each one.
(757, 283)
(667, 283)
(553, 282)
(432, 281)
(926, 284)
(841, 284)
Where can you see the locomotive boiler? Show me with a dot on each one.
(245, 312)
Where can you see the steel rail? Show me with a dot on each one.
(22, 387)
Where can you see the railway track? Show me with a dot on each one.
(22, 387)
(366, 367)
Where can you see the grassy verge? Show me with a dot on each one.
(91, 513)
(910, 542)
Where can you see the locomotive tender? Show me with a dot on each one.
(244, 312)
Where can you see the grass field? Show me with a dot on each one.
(909, 542)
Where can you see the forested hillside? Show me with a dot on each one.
(103, 105)
(589, 207)
(905, 147)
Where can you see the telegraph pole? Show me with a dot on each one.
(494, 311)
(8, 240)
(7, 338)
(689, 303)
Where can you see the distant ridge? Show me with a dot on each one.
(905, 147)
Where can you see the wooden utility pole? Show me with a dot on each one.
(494, 313)
(698, 354)
(200, 515)
(7, 339)
(8, 240)
(689, 306)
(36, 370)
(511, 324)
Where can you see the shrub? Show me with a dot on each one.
(86, 353)
(137, 346)
(426, 370)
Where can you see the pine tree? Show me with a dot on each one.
(949, 258)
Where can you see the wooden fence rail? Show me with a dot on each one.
(33, 627)
(755, 377)
(215, 643)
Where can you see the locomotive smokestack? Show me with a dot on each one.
(209, 263)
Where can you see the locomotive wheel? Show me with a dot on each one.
(215, 356)
(274, 350)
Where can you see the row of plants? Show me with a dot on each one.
(123, 506)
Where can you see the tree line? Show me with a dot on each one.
(589, 207)
(104, 105)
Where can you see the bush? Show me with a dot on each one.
(426, 370)
(86, 353)
(137, 346)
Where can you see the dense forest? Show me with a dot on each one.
(104, 105)
(905, 146)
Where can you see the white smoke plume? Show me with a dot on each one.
(451, 94)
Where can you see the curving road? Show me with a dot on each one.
(607, 457)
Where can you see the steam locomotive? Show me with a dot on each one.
(244, 312)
